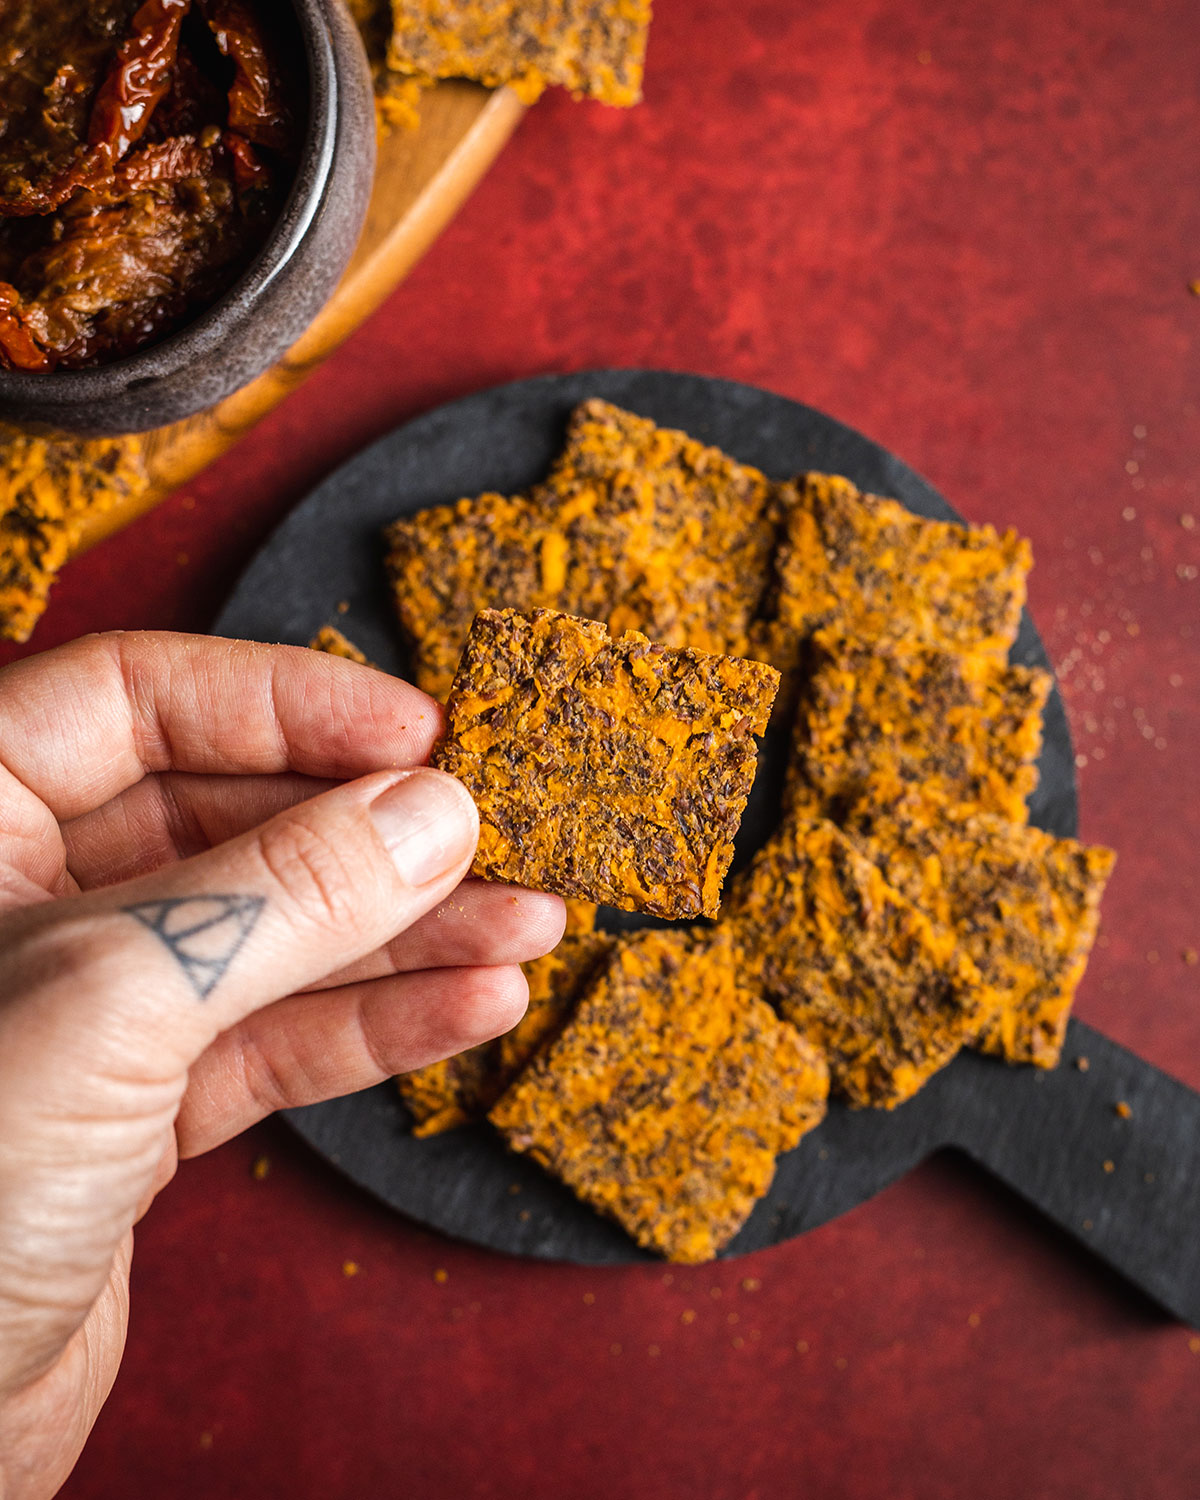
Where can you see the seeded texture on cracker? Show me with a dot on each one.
(867, 978)
(1024, 906)
(461, 1089)
(49, 488)
(876, 571)
(669, 1094)
(637, 525)
(712, 526)
(611, 770)
(963, 728)
(592, 47)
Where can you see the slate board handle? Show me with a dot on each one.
(1048, 1135)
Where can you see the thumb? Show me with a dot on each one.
(162, 964)
(106, 999)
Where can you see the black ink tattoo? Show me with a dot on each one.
(203, 933)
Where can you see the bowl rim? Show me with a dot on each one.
(202, 335)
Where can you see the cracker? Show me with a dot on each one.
(868, 979)
(592, 47)
(876, 571)
(666, 1099)
(332, 642)
(461, 1089)
(714, 523)
(397, 95)
(1025, 906)
(451, 561)
(610, 770)
(49, 488)
(964, 729)
(637, 525)
(581, 917)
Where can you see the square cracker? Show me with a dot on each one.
(49, 488)
(592, 47)
(874, 570)
(611, 770)
(866, 977)
(1026, 906)
(701, 574)
(666, 1099)
(637, 525)
(966, 729)
(463, 1088)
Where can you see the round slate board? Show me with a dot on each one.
(329, 550)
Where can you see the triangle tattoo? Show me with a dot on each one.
(203, 933)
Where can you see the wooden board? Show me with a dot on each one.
(422, 178)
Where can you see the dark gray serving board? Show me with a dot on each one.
(1047, 1135)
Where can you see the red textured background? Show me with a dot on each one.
(967, 230)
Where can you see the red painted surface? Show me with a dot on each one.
(967, 230)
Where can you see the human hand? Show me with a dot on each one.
(203, 918)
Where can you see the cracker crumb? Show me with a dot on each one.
(589, 1298)
(973, 1320)
(1083, 1064)
(1110, 1166)
(688, 1315)
(350, 1268)
(261, 1168)
(206, 1438)
(1190, 956)
(1123, 1110)
(441, 1277)
(801, 1346)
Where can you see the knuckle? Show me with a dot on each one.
(270, 1084)
(313, 873)
(491, 1001)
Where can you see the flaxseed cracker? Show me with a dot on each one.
(609, 770)
(666, 1099)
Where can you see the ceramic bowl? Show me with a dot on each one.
(278, 295)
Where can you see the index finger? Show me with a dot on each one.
(81, 723)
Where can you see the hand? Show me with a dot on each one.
(207, 850)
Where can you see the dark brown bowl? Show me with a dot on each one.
(276, 298)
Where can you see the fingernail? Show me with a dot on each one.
(428, 823)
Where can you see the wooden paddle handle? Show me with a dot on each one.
(1106, 1146)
